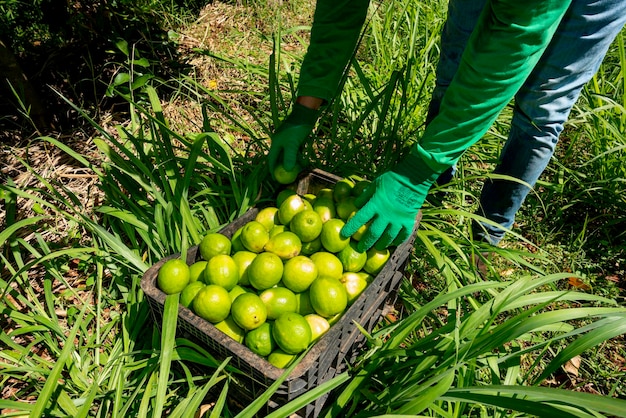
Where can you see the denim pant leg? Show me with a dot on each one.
(543, 105)
(461, 19)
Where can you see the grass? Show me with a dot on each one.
(78, 338)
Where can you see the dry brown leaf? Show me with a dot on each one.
(577, 283)
(572, 366)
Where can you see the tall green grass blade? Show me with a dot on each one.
(216, 411)
(422, 400)
(585, 402)
(144, 406)
(309, 397)
(610, 327)
(255, 406)
(52, 380)
(168, 338)
(11, 229)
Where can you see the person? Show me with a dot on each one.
(540, 53)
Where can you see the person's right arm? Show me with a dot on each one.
(335, 32)
(336, 29)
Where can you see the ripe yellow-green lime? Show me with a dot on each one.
(359, 187)
(285, 245)
(361, 231)
(376, 260)
(278, 229)
(243, 259)
(309, 197)
(292, 205)
(212, 303)
(328, 264)
(282, 195)
(286, 176)
(196, 270)
(254, 236)
(342, 189)
(368, 277)
(189, 293)
(325, 208)
(331, 236)
(235, 241)
(318, 324)
(325, 193)
(346, 208)
(214, 244)
(307, 225)
(268, 217)
(260, 340)
(236, 291)
(278, 358)
(249, 311)
(229, 327)
(355, 284)
(328, 296)
(334, 319)
(173, 276)
(222, 271)
(279, 300)
(291, 333)
(311, 247)
(304, 303)
(351, 258)
(265, 271)
(298, 273)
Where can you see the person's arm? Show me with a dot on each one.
(503, 49)
(335, 32)
(336, 29)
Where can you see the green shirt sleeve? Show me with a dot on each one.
(335, 32)
(503, 49)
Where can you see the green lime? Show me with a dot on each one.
(351, 258)
(328, 296)
(173, 276)
(376, 260)
(212, 303)
(331, 237)
(229, 327)
(284, 176)
(298, 273)
(196, 270)
(214, 244)
(280, 359)
(222, 271)
(249, 311)
(286, 245)
(236, 291)
(292, 333)
(278, 300)
(243, 259)
(254, 236)
(304, 303)
(189, 293)
(260, 340)
(265, 271)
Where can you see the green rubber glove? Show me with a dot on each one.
(290, 136)
(390, 205)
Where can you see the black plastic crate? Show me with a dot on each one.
(326, 359)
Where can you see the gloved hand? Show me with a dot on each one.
(391, 202)
(290, 136)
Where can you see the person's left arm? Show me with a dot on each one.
(502, 51)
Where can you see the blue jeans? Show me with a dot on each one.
(541, 106)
